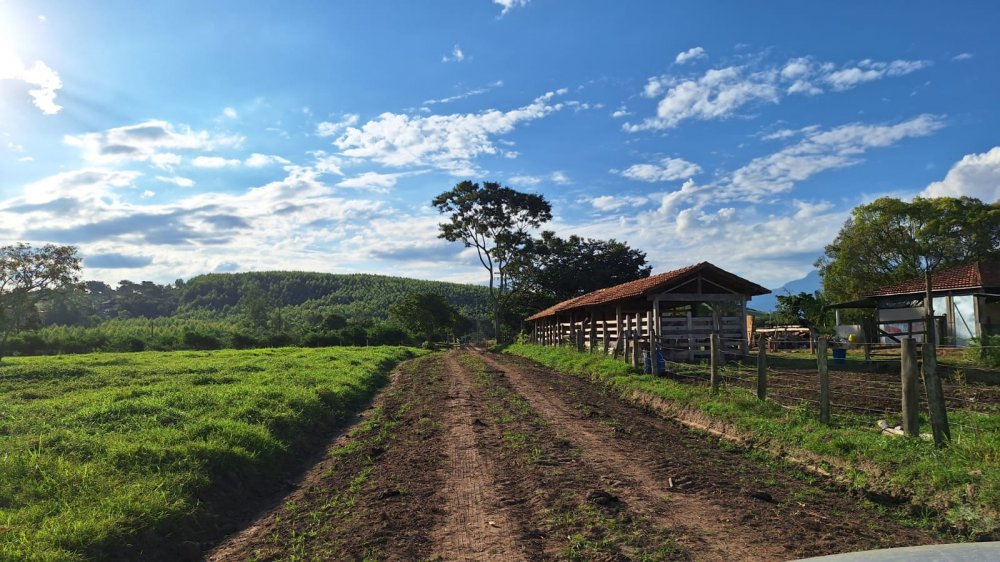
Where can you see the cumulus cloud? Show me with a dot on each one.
(720, 93)
(691, 54)
(332, 128)
(975, 175)
(215, 162)
(230, 113)
(962, 56)
(42, 80)
(150, 141)
(509, 5)
(615, 202)
(257, 160)
(667, 169)
(446, 142)
(176, 180)
(375, 181)
(456, 55)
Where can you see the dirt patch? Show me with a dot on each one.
(720, 501)
(375, 494)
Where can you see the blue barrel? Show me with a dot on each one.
(839, 356)
(661, 361)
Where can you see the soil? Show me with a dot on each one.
(475, 456)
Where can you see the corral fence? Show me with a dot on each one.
(891, 383)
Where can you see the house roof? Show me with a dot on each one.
(975, 275)
(652, 284)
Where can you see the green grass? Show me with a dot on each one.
(960, 483)
(98, 451)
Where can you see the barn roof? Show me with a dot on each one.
(976, 275)
(653, 284)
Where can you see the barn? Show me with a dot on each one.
(966, 305)
(674, 312)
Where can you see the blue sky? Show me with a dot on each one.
(169, 139)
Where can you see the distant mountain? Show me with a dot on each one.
(808, 284)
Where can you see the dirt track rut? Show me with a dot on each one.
(477, 456)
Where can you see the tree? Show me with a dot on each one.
(424, 314)
(890, 240)
(803, 309)
(553, 269)
(494, 220)
(29, 275)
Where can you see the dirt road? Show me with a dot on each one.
(475, 456)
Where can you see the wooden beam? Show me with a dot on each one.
(707, 297)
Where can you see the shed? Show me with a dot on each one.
(676, 312)
(966, 305)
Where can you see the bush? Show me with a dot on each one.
(201, 341)
(985, 351)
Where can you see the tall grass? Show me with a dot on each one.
(99, 450)
(961, 482)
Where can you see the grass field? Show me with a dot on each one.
(959, 485)
(100, 452)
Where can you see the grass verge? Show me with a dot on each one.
(954, 489)
(103, 454)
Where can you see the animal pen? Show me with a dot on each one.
(673, 315)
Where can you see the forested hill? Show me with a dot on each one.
(355, 295)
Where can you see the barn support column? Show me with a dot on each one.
(655, 339)
(592, 344)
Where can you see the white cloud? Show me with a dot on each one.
(230, 113)
(176, 180)
(257, 160)
(719, 93)
(962, 56)
(869, 70)
(447, 142)
(331, 128)
(147, 141)
(975, 175)
(463, 95)
(375, 181)
(456, 55)
(42, 80)
(691, 54)
(148, 194)
(509, 5)
(715, 95)
(559, 178)
(667, 169)
(622, 111)
(215, 162)
(817, 152)
(615, 202)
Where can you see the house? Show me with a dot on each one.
(676, 312)
(966, 303)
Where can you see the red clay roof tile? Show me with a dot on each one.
(971, 276)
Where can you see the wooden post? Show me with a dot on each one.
(824, 381)
(593, 331)
(935, 396)
(579, 340)
(605, 332)
(762, 372)
(713, 361)
(654, 339)
(908, 373)
(636, 355)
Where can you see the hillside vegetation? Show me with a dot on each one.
(102, 451)
(240, 310)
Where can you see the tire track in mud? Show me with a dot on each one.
(476, 526)
(722, 505)
(700, 527)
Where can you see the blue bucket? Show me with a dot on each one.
(839, 356)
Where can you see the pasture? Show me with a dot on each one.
(107, 455)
